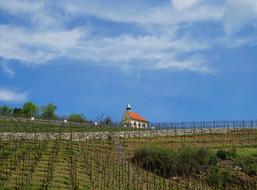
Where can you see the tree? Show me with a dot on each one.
(76, 118)
(105, 120)
(29, 109)
(48, 111)
(5, 111)
(108, 120)
(17, 112)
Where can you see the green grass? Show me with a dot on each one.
(247, 151)
(105, 164)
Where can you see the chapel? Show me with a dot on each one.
(133, 119)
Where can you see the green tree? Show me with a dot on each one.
(30, 109)
(17, 112)
(5, 111)
(76, 118)
(48, 111)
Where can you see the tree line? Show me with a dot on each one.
(48, 111)
(30, 109)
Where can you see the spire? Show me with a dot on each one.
(128, 107)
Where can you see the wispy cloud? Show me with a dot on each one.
(125, 51)
(7, 95)
(163, 13)
(10, 73)
(49, 36)
(35, 47)
(144, 52)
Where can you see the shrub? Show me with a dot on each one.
(249, 165)
(155, 159)
(76, 118)
(213, 160)
(192, 161)
(252, 169)
(218, 177)
(166, 162)
(5, 111)
(213, 177)
(222, 154)
(232, 153)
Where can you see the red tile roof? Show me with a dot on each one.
(136, 116)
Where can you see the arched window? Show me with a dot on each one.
(139, 125)
(144, 125)
(135, 124)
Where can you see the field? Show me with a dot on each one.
(76, 163)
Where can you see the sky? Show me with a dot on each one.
(173, 60)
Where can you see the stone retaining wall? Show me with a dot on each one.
(76, 136)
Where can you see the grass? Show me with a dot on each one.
(35, 127)
(105, 164)
(247, 151)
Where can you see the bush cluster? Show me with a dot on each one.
(186, 161)
(218, 177)
(226, 154)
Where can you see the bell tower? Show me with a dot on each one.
(128, 107)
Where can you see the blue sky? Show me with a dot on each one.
(174, 60)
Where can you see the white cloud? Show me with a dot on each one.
(24, 6)
(144, 52)
(8, 71)
(193, 63)
(184, 4)
(35, 47)
(234, 14)
(238, 13)
(125, 51)
(161, 48)
(136, 13)
(7, 95)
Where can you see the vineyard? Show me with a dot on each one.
(77, 162)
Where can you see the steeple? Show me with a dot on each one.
(128, 107)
